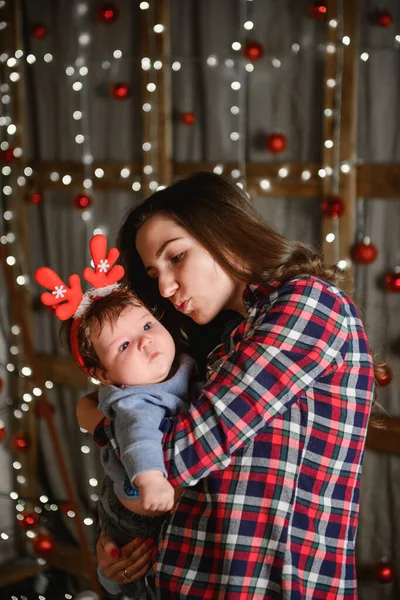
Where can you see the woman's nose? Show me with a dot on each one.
(167, 286)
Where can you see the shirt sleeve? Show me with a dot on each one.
(301, 337)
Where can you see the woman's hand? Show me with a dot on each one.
(133, 559)
(87, 413)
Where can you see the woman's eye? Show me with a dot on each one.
(177, 257)
(123, 346)
(147, 326)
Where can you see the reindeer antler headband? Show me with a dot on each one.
(71, 301)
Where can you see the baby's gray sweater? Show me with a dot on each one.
(137, 412)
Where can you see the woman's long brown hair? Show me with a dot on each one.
(218, 214)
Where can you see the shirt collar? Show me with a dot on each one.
(255, 291)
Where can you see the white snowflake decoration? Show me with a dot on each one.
(103, 266)
(59, 291)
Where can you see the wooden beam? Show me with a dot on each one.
(387, 439)
(348, 138)
(380, 181)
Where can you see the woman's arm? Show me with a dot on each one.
(87, 413)
(300, 338)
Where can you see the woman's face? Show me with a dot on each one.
(187, 274)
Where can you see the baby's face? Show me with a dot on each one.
(134, 350)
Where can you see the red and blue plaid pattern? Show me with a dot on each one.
(270, 455)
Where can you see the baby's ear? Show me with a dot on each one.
(100, 375)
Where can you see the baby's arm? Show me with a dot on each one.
(87, 412)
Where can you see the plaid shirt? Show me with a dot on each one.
(270, 455)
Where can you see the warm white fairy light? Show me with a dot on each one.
(144, 5)
(77, 86)
(146, 146)
(331, 83)
(146, 63)
(235, 173)
(295, 48)
(30, 59)
(85, 449)
(125, 173)
(236, 46)
(4, 536)
(328, 171)
(37, 391)
(79, 139)
(146, 107)
(11, 62)
(343, 264)
(151, 87)
(27, 397)
(99, 173)
(331, 48)
(158, 28)
(15, 330)
(147, 169)
(234, 136)
(328, 144)
(48, 57)
(305, 175)
(234, 110)
(11, 260)
(26, 371)
(87, 184)
(212, 61)
(7, 190)
(157, 65)
(364, 56)
(328, 112)
(10, 367)
(70, 71)
(136, 186)
(235, 85)
(66, 179)
(248, 25)
(249, 67)
(17, 465)
(283, 172)
(345, 168)
(54, 176)
(49, 384)
(86, 215)
(276, 63)
(322, 173)
(88, 521)
(229, 63)
(93, 482)
(265, 184)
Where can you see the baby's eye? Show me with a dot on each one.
(147, 326)
(123, 346)
(177, 257)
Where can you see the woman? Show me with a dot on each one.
(270, 456)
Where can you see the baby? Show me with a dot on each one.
(132, 354)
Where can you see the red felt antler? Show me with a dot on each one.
(67, 299)
(104, 273)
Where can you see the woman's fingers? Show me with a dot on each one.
(135, 571)
(107, 550)
(140, 569)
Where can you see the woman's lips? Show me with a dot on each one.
(182, 307)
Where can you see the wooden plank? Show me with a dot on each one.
(348, 139)
(164, 93)
(387, 439)
(146, 26)
(19, 570)
(381, 180)
(328, 224)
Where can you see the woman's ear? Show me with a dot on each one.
(100, 375)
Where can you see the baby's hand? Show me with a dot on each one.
(155, 491)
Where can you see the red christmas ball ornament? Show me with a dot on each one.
(383, 375)
(20, 443)
(392, 281)
(81, 201)
(276, 143)
(188, 118)
(43, 544)
(28, 521)
(332, 206)
(384, 571)
(7, 155)
(253, 50)
(2, 432)
(364, 252)
(1, 384)
(120, 91)
(35, 198)
(318, 10)
(384, 18)
(107, 14)
(39, 31)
